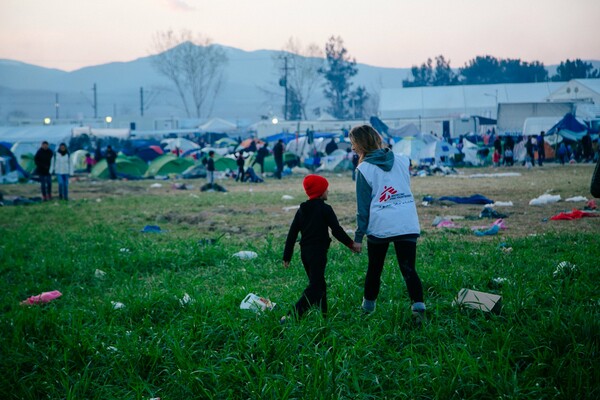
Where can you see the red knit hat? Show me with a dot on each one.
(315, 186)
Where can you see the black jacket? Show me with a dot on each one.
(111, 156)
(43, 161)
(210, 164)
(595, 186)
(313, 220)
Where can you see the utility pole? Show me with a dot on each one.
(95, 101)
(142, 101)
(56, 106)
(284, 83)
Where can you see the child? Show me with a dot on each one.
(210, 168)
(496, 158)
(89, 163)
(240, 161)
(386, 213)
(313, 220)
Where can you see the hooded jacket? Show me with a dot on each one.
(43, 161)
(385, 204)
(313, 219)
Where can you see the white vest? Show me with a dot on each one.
(393, 211)
(61, 165)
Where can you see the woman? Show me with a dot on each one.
(62, 167)
(386, 213)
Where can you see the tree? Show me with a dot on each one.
(358, 102)
(194, 66)
(481, 70)
(340, 67)
(300, 76)
(427, 75)
(575, 69)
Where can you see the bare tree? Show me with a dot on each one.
(194, 66)
(301, 73)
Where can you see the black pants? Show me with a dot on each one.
(406, 252)
(279, 168)
(46, 183)
(240, 175)
(314, 259)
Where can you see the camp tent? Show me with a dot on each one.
(410, 147)
(10, 169)
(288, 159)
(78, 160)
(27, 162)
(127, 166)
(569, 128)
(217, 125)
(149, 153)
(20, 148)
(168, 164)
(179, 143)
(337, 161)
(436, 150)
(225, 163)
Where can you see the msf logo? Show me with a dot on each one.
(387, 193)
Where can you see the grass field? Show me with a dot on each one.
(545, 344)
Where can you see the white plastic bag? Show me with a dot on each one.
(256, 303)
(245, 255)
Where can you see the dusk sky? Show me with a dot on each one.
(70, 34)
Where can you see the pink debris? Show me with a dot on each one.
(45, 297)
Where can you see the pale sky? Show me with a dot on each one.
(70, 34)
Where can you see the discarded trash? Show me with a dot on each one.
(500, 204)
(479, 300)
(245, 255)
(256, 303)
(500, 281)
(493, 230)
(499, 222)
(488, 212)
(179, 186)
(99, 273)
(590, 205)
(564, 269)
(447, 224)
(125, 249)
(117, 305)
(576, 199)
(151, 229)
(186, 299)
(45, 297)
(287, 197)
(112, 348)
(156, 185)
(291, 208)
(545, 199)
(574, 214)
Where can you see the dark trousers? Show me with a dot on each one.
(262, 165)
(279, 166)
(112, 170)
(240, 175)
(46, 183)
(314, 259)
(406, 252)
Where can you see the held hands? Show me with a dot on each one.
(356, 247)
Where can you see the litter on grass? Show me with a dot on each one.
(245, 255)
(576, 199)
(290, 208)
(151, 229)
(186, 299)
(487, 302)
(287, 197)
(99, 273)
(564, 269)
(545, 199)
(574, 214)
(44, 297)
(156, 185)
(489, 232)
(500, 204)
(117, 305)
(256, 303)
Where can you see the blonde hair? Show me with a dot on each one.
(365, 139)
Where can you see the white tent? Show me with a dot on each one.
(534, 125)
(20, 148)
(436, 150)
(410, 147)
(180, 143)
(53, 134)
(338, 160)
(470, 151)
(218, 125)
(302, 148)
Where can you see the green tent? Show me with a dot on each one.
(168, 164)
(288, 159)
(131, 166)
(27, 162)
(224, 163)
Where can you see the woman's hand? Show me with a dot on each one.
(357, 247)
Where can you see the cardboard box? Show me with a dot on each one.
(487, 302)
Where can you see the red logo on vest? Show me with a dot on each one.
(387, 193)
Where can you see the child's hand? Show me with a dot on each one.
(357, 247)
(286, 264)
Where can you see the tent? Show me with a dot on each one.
(285, 136)
(288, 159)
(20, 148)
(168, 164)
(149, 153)
(218, 125)
(569, 128)
(27, 162)
(410, 147)
(436, 150)
(179, 143)
(472, 154)
(337, 161)
(78, 160)
(10, 170)
(225, 163)
(129, 167)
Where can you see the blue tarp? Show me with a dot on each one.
(474, 199)
(569, 128)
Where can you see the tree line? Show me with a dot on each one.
(483, 70)
(194, 66)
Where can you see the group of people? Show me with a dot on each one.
(386, 214)
(59, 163)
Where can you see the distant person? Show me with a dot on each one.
(62, 168)
(496, 158)
(595, 186)
(89, 163)
(541, 148)
(529, 156)
(331, 146)
(509, 158)
(278, 150)
(240, 161)
(562, 153)
(210, 168)
(259, 159)
(587, 149)
(498, 144)
(386, 213)
(251, 147)
(111, 161)
(313, 220)
(43, 162)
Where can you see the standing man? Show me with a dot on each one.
(261, 154)
(541, 148)
(43, 161)
(210, 168)
(278, 150)
(586, 143)
(111, 160)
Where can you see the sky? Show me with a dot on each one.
(71, 34)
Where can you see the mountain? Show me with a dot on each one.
(250, 88)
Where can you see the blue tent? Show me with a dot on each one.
(285, 136)
(569, 128)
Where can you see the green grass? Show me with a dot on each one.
(544, 345)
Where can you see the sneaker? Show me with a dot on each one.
(419, 317)
(368, 306)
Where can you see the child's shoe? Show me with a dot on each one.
(368, 306)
